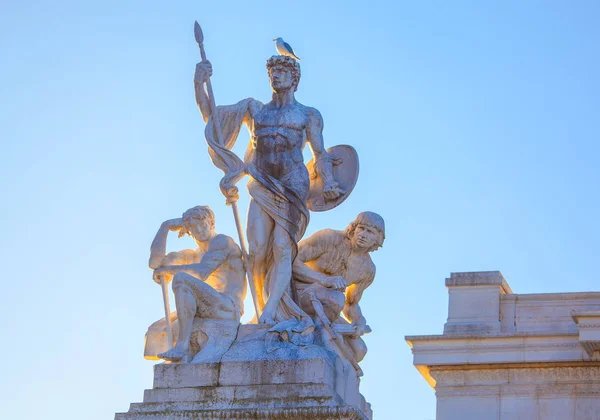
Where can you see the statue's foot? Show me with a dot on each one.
(175, 354)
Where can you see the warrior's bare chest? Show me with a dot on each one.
(352, 269)
(356, 270)
(285, 118)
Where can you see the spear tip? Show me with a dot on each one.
(198, 33)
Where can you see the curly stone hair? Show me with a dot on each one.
(287, 62)
(198, 213)
(368, 218)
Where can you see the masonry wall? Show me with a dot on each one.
(504, 393)
(505, 356)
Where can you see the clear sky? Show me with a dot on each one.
(477, 125)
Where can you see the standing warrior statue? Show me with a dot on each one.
(279, 183)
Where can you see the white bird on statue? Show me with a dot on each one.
(284, 48)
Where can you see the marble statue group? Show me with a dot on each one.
(299, 355)
(306, 290)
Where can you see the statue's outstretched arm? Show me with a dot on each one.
(218, 251)
(309, 249)
(201, 76)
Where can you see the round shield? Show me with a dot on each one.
(345, 173)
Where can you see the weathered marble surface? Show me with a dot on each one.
(278, 371)
(331, 273)
(251, 381)
(516, 393)
(208, 283)
(301, 358)
(588, 324)
(506, 356)
(309, 413)
(213, 337)
(345, 169)
(279, 184)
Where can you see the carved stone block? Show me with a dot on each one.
(252, 380)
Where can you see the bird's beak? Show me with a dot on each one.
(274, 39)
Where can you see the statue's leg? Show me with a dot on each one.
(332, 300)
(280, 273)
(259, 229)
(358, 347)
(186, 310)
(186, 307)
(212, 304)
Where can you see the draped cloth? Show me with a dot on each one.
(229, 119)
(283, 199)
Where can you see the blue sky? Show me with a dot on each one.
(476, 123)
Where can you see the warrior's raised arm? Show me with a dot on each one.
(201, 76)
(159, 244)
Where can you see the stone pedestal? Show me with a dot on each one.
(252, 381)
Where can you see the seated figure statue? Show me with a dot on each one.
(208, 282)
(335, 268)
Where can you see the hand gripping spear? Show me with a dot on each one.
(217, 126)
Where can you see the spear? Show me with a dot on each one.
(217, 125)
(165, 290)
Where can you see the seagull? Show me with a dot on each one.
(284, 48)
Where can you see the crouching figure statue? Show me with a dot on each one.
(331, 272)
(209, 287)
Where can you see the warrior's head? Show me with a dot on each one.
(199, 223)
(284, 73)
(367, 231)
